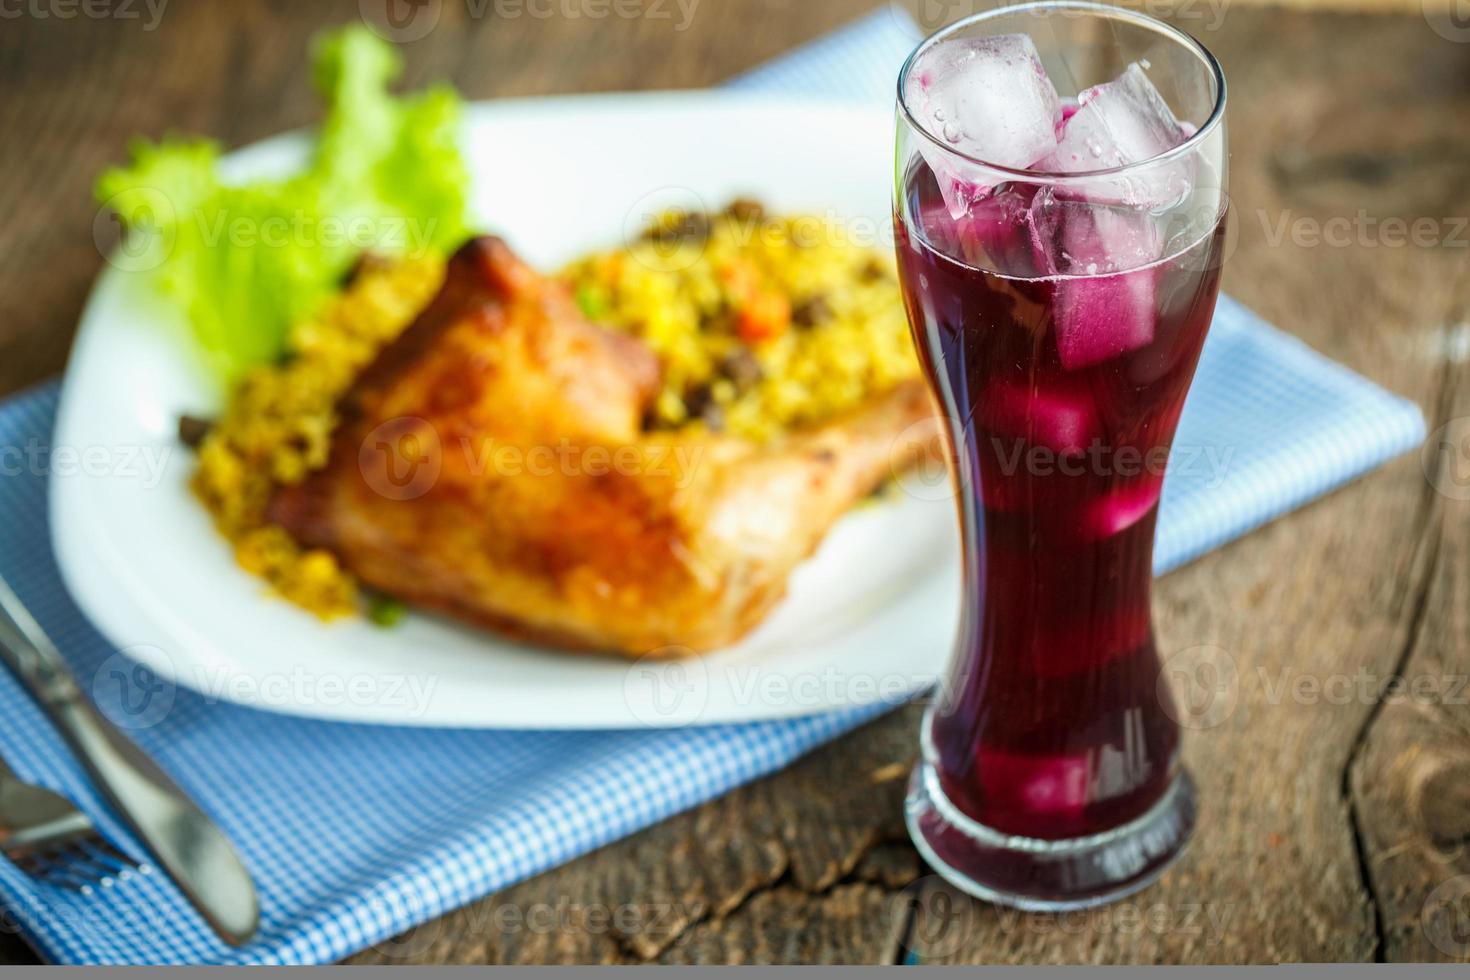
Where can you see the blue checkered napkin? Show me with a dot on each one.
(355, 833)
(1270, 424)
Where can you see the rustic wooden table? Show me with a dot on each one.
(1335, 769)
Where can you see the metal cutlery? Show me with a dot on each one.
(185, 844)
(48, 838)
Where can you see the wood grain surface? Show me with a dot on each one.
(1330, 735)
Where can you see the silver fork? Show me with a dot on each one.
(182, 842)
(48, 838)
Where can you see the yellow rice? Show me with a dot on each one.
(683, 296)
(277, 428)
(762, 325)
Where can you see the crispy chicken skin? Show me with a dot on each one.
(491, 464)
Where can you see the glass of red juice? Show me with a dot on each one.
(1060, 218)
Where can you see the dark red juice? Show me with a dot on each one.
(1063, 394)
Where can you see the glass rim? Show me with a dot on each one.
(1216, 117)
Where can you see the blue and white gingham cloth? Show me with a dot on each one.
(356, 833)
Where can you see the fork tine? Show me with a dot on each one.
(54, 842)
(90, 858)
(115, 856)
(59, 873)
(83, 863)
(60, 866)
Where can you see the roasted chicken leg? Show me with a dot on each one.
(491, 464)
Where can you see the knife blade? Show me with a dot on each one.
(184, 842)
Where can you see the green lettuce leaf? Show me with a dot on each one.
(247, 260)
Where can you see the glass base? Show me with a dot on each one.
(1047, 875)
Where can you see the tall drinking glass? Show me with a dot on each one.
(1060, 218)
